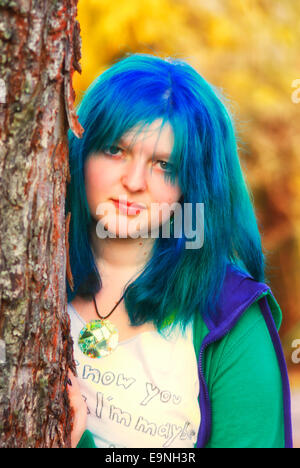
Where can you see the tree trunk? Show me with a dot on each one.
(40, 48)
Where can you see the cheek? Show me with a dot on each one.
(98, 178)
(165, 193)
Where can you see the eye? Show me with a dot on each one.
(113, 151)
(165, 166)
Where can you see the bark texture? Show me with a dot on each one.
(39, 50)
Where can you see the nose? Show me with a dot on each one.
(134, 176)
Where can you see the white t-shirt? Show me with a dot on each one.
(145, 393)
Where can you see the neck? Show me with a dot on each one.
(121, 254)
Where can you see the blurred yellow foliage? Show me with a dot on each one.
(110, 29)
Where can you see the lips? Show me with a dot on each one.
(129, 208)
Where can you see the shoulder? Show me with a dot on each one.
(246, 340)
(238, 292)
(249, 330)
(238, 308)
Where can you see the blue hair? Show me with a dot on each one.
(176, 281)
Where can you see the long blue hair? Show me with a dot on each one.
(176, 282)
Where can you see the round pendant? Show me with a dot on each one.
(98, 338)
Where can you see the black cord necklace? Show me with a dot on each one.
(99, 338)
(100, 316)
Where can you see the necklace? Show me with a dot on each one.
(99, 338)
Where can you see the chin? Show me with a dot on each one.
(111, 229)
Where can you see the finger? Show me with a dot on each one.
(73, 387)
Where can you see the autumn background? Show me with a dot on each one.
(250, 49)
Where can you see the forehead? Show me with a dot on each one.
(151, 138)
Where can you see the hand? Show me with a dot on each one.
(80, 410)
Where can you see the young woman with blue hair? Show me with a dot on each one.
(175, 342)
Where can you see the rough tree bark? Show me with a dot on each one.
(39, 50)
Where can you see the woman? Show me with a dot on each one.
(175, 331)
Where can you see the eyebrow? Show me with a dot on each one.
(160, 155)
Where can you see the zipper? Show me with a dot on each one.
(204, 384)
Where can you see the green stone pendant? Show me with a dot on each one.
(98, 338)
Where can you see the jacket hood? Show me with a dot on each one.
(238, 292)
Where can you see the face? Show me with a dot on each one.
(125, 185)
